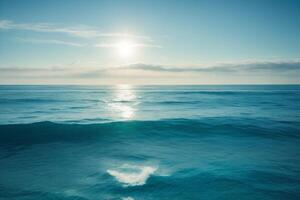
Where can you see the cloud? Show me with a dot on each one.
(81, 31)
(50, 41)
(259, 66)
(92, 70)
(77, 31)
(76, 44)
(114, 45)
(54, 72)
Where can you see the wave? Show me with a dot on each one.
(127, 198)
(29, 100)
(225, 92)
(47, 132)
(132, 175)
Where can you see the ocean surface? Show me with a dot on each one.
(235, 142)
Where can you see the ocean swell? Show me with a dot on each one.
(49, 132)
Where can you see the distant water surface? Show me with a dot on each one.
(150, 142)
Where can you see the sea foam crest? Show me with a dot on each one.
(132, 175)
(127, 198)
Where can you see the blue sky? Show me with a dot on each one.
(174, 42)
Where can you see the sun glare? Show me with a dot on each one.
(126, 49)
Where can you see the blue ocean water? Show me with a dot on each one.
(150, 142)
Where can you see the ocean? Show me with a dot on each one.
(202, 142)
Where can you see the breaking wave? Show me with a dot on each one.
(132, 175)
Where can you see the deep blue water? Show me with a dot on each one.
(150, 142)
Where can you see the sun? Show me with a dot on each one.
(126, 49)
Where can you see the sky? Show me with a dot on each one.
(149, 42)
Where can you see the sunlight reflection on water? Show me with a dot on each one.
(121, 102)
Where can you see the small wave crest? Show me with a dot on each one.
(127, 198)
(132, 175)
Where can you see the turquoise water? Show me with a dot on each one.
(150, 142)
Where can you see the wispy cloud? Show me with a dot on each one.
(114, 45)
(77, 31)
(76, 44)
(81, 31)
(50, 41)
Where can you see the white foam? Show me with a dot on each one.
(132, 175)
(127, 198)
